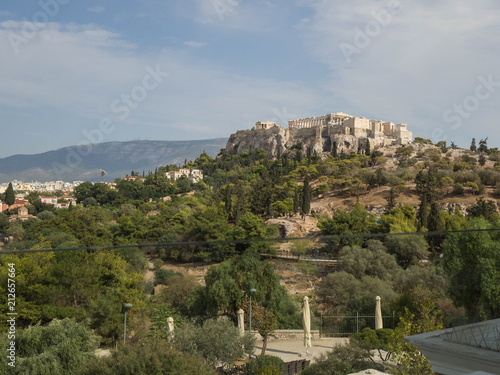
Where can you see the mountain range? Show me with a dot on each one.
(117, 159)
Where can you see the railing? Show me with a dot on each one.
(346, 325)
(303, 257)
(295, 367)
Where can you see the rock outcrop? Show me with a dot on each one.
(277, 140)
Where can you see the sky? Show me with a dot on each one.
(75, 72)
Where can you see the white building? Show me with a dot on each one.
(193, 175)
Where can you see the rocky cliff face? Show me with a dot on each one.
(278, 139)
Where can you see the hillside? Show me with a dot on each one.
(116, 158)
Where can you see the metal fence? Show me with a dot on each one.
(346, 325)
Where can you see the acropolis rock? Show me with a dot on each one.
(321, 134)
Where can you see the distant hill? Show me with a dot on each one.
(116, 158)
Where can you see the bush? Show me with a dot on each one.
(146, 358)
(57, 348)
(218, 341)
(458, 189)
(342, 360)
(321, 190)
(162, 276)
(178, 289)
(265, 364)
(148, 288)
(157, 263)
(135, 257)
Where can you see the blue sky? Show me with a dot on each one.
(73, 72)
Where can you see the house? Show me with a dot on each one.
(469, 349)
(17, 203)
(193, 175)
(48, 200)
(54, 201)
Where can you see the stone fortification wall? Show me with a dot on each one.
(271, 140)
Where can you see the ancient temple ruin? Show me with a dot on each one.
(341, 131)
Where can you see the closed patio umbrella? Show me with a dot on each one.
(241, 323)
(170, 327)
(306, 315)
(378, 314)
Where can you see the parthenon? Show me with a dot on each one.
(309, 122)
(360, 127)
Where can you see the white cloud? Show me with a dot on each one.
(195, 44)
(413, 65)
(96, 9)
(81, 70)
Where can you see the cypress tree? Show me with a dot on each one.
(10, 196)
(391, 200)
(306, 196)
(367, 148)
(334, 149)
(296, 201)
(473, 146)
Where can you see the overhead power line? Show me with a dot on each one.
(222, 242)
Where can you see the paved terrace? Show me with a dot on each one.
(292, 350)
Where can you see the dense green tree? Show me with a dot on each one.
(58, 348)
(73, 284)
(483, 208)
(228, 286)
(342, 293)
(408, 358)
(471, 260)
(348, 223)
(4, 221)
(370, 261)
(408, 249)
(483, 145)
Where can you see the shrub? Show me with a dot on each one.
(342, 360)
(265, 364)
(57, 348)
(458, 189)
(321, 190)
(157, 263)
(218, 341)
(146, 358)
(162, 276)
